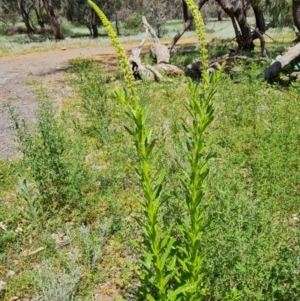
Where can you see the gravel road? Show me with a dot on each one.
(46, 68)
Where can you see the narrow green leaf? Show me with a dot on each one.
(183, 264)
(167, 250)
(157, 155)
(129, 131)
(182, 289)
(161, 176)
(150, 298)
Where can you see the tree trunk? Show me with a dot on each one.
(185, 26)
(117, 23)
(234, 9)
(262, 43)
(245, 29)
(201, 3)
(94, 28)
(89, 26)
(39, 18)
(286, 59)
(178, 35)
(296, 13)
(259, 18)
(219, 12)
(187, 15)
(239, 38)
(25, 17)
(53, 20)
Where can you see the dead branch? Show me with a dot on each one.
(179, 34)
(157, 76)
(185, 26)
(159, 52)
(151, 30)
(262, 42)
(169, 69)
(135, 52)
(135, 60)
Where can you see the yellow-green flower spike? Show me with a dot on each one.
(119, 49)
(201, 37)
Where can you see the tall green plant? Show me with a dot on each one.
(201, 113)
(170, 273)
(158, 268)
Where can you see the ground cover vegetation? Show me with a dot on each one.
(112, 197)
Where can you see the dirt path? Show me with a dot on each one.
(46, 68)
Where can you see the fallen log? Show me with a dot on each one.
(285, 60)
(159, 52)
(194, 69)
(135, 60)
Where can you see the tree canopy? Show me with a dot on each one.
(37, 13)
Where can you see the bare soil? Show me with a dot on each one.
(47, 69)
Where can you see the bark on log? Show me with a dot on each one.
(169, 69)
(277, 66)
(295, 76)
(135, 61)
(160, 53)
(156, 75)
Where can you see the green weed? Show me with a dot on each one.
(57, 283)
(57, 169)
(159, 259)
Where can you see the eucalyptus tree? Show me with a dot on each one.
(8, 12)
(279, 11)
(296, 15)
(78, 12)
(54, 20)
(39, 9)
(25, 8)
(276, 10)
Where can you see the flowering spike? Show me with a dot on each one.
(119, 49)
(201, 37)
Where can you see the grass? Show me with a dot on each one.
(79, 37)
(252, 241)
